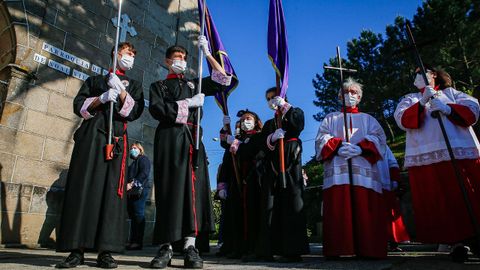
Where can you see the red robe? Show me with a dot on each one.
(366, 234)
(440, 211)
(397, 232)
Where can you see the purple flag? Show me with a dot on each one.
(220, 54)
(277, 44)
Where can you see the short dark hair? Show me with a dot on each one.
(175, 48)
(122, 46)
(271, 89)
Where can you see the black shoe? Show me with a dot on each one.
(459, 254)
(289, 259)
(73, 260)
(163, 258)
(192, 259)
(105, 260)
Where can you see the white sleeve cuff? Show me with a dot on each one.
(218, 77)
(285, 108)
(127, 106)
(84, 110)
(182, 113)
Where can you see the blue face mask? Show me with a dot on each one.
(134, 152)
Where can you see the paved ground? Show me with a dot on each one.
(415, 257)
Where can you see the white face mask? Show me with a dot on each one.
(126, 62)
(420, 82)
(179, 66)
(248, 125)
(271, 105)
(351, 100)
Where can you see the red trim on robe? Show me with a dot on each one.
(121, 181)
(352, 110)
(175, 76)
(367, 235)
(461, 115)
(369, 151)
(440, 212)
(331, 148)
(412, 117)
(193, 189)
(397, 232)
(118, 71)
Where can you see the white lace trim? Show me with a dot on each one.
(441, 155)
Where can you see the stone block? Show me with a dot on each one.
(51, 79)
(28, 145)
(24, 228)
(161, 15)
(52, 35)
(36, 98)
(148, 133)
(87, 51)
(61, 106)
(50, 126)
(99, 8)
(73, 85)
(39, 200)
(50, 15)
(13, 115)
(134, 130)
(150, 210)
(7, 139)
(58, 151)
(42, 173)
(7, 162)
(76, 27)
(17, 197)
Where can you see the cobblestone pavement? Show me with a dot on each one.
(415, 257)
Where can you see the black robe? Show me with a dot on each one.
(285, 211)
(94, 214)
(233, 228)
(182, 195)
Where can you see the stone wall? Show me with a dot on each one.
(36, 118)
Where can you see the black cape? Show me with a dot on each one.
(182, 195)
(94, 215)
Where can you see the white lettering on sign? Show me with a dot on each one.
(79, 75)
(147, 102)
(96, 69)
(60, 67)
(40, 59)
(65, 55)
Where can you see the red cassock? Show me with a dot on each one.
(439, 207)
(359, 231)
(397, 232)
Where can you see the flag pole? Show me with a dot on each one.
(281, 142)
(199, 90)
(109, 147)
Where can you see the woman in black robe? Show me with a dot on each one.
(288, 221)
(182, 190)
(93, 215)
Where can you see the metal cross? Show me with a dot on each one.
(124, 27)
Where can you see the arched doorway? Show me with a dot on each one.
(7, 51)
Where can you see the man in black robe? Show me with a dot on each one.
(182, 191)
(93, 215)
(288, 231)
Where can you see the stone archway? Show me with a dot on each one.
(7, 52)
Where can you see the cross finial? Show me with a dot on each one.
(125, 27)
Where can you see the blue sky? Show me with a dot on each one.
(315, 28)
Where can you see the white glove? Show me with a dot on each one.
(110, 95)
(428, 93)
(234, 146)
(230, 139)
(226, 120)
(222, 194)
(115, 83)
(278, 101)
(348, 150)
(438, 105)
(278, 134)
(196, 101)
(203, 45)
